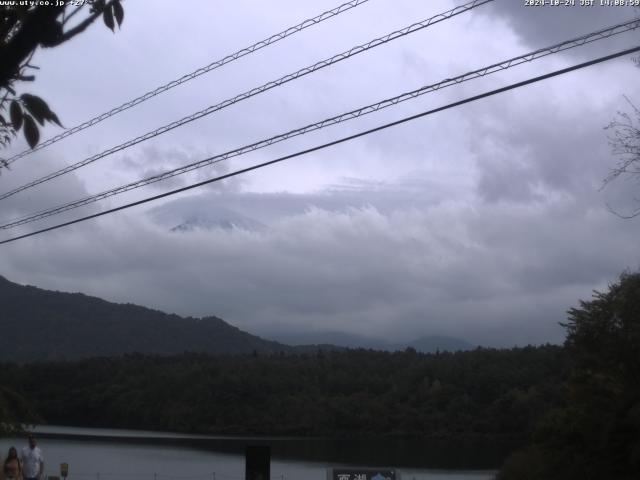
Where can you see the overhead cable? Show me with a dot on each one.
(190, 76)
(496, 67)
(255, 91)
(329, 144)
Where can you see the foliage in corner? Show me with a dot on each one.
(24, 28)
(597, 435)
(624, 140)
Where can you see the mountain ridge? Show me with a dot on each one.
(424, 344)
(51, 325)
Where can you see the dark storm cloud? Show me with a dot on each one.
(483, 222)
(491, 272)
(151, 161)
(389, 260)
(544, 151)
(46, 195)
(539, 26)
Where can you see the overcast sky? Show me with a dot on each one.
(486, 222)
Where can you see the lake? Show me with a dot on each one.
(105, 454)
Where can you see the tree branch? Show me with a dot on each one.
(10, 21)
(634, 214)
(68, 17)
(25, 41)
(81, 27)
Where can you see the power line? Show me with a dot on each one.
(528, 57)
(190, 76)
(257, 90)
(335, 142)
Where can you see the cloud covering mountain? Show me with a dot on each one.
(485, 222)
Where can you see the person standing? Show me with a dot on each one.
(12, 469)
(32, 461)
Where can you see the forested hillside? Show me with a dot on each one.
(576, 406)
(40, 324)
(490, 393)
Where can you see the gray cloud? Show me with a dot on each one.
(496, 275)
(541, 26)
(483, 222)
(46, 195)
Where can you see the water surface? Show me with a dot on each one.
(105, 454)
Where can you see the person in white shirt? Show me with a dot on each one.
(32, 461)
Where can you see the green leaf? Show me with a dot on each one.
(54, 118)
(39, 109)
(118, 12)
(15, 111)
(31, 132)
(97, 6)
(107, 16)
(36, 107)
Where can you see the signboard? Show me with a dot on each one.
(362, 474)
(257, 463)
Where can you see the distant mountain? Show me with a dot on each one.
(433, 343)
(205, 217)
(37, 324)
(229, 222)
(426, 344)
(338, 339)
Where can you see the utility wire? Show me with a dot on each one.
(528, 57)
(335, 142)
(257, 90)
(190, 76)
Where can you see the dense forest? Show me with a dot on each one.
(574, 409)
(356, 392)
